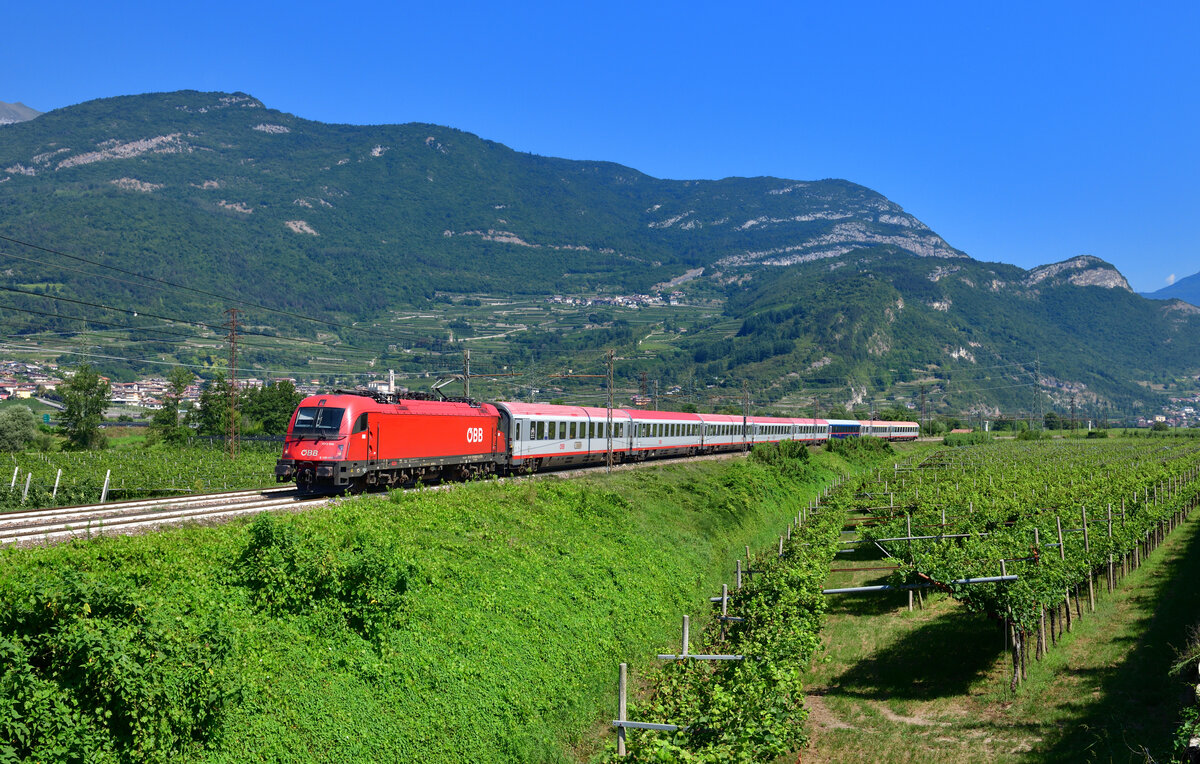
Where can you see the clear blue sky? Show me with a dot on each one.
(1021, 132)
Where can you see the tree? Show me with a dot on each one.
(85, 397)
(18, 427)
(166, 420)
(212, 418)
(270, 407)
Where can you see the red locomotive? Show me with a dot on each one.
(355, 440)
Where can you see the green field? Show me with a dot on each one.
(135, 473)
(483, 622)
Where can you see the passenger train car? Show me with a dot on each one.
(360, 439)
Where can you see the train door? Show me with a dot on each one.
(373, 421)
(506, 425)
(357, 447)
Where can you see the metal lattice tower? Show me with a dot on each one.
(232, 431)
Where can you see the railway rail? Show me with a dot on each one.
(42, 526)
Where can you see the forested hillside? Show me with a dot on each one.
(804, 284)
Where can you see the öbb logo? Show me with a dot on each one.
(474, 434)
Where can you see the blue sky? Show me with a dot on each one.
(1021, 132)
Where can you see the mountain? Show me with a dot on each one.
(16, 112)
(817, 283)
(1186, 289)
(214, 182)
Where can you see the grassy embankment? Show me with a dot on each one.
(485, 621)
(932, 685)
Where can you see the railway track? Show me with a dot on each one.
(43, 526)
(40, 526)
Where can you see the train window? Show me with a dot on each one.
(541, 431)
(321, 422)
(571, 431)
(360, 424)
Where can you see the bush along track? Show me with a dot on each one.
(750, 709)
(1187, 737)
(1063, 517)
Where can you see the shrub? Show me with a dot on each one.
(18, 427)
(859, 448)
(956, 439)
(1034, 435)
(790, 457)
(88, 671)
(291, 573)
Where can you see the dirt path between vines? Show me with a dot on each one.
(932, 685)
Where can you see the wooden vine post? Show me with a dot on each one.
(1087, 548)
(1041, 645)
(1062, 556)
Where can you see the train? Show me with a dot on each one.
(355, 440)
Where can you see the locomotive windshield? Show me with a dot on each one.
(318, 421)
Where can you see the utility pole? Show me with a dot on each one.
(924, 416)
(654, 398)
(231, 436)
(608, 425)
(1072, 412)
(466, 372)
(1041, 402)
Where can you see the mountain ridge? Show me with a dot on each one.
(11, 113)
(352, 221)
(1186, 289)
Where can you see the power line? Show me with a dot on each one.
(194, 290)
(130, 327)
(184, 321)
(154, 361)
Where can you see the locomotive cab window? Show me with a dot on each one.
(318, 421)
(360, 424)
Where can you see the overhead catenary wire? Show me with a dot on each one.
(162, 330)
(158, 362)
(187, 322)
(194, 290)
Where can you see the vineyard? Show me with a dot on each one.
(59, 479)
(1057, 518)
(1024, 532)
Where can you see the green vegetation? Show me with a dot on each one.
(1114, 500)
(484, 621)
(483, 235)
(749, 709)
(933, 684)
(136, 473)
(85, 397)
(1187, 667)
(18, 428)
(966, 439)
